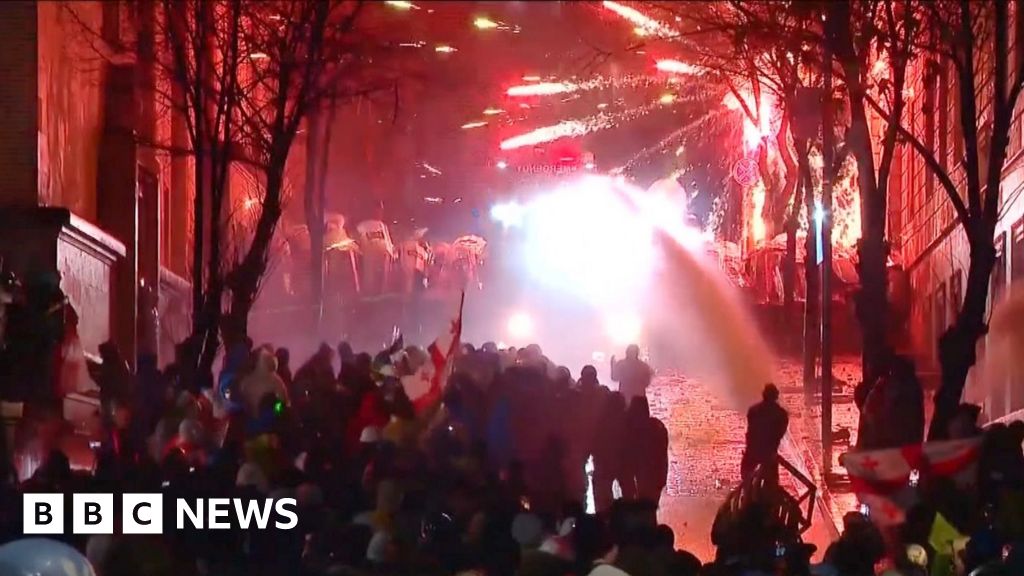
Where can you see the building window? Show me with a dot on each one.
(928, 118)
(939, 309)
(998, 284)
(943, 104)
(1017, 251)
(956, 294)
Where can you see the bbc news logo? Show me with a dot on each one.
(144, 514)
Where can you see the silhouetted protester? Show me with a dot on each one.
(632, 374)
(609, 441)
(893, 411)
(284, 368)
(767, 422)
(112, 376)
(645, 453)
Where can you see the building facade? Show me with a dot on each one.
(85, 195)
(923, 226)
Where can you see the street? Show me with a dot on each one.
(706, 445)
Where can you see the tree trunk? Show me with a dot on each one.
(812, 334)
(244, 279)
(315, 217)
(872, 300)
(958, 345)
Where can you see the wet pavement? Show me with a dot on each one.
(706, 445)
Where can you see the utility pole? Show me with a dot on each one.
(827, 156)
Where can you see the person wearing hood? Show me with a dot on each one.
(262, 381)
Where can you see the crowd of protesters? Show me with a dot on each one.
(491, 478)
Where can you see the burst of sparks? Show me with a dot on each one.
(542, 89)
(753, 133)
(574, 128)
(546, 134)
(444, 49)
(676, 67)
(471, 125)
(758, 230)
(483, 23)
(643, 22)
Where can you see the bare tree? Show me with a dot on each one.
(971, 40)
(244, 76)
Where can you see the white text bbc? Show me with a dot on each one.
(144, 514)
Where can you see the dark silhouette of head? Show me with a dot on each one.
(283, 357)
(770, 393)
(588, 376)
(632, 351)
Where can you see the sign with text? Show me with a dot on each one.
(144, 514)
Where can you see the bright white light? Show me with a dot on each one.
(574, 234)
(676, 67)
(589, 165)
(624, 328)
(483, 23)
(501, 164)
(597, 357)
(520, 327)
(401, 5)
(819, 212)
(444, 49)
(510, 214)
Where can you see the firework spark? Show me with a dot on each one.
(542, 89)
(402, 5)
(677, 67)
(754, 133)
(546, 134)
(645, 25)
(493, 111)
(471, 125)
(444, 49)
(574, 128)
(483, 23)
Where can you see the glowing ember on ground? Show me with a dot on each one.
(643, 22)
(471, 125)
(542, 89)
(676, 67)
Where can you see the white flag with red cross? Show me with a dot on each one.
(886, 480)
(425, 386)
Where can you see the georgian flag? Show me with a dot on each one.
(425, 386)
(884, 480)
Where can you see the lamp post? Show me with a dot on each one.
(827, 154)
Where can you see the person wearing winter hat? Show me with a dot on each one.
(251, 475)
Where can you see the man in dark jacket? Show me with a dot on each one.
(767, 422)
(632, 374)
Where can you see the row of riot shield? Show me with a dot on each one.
(371, 264)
